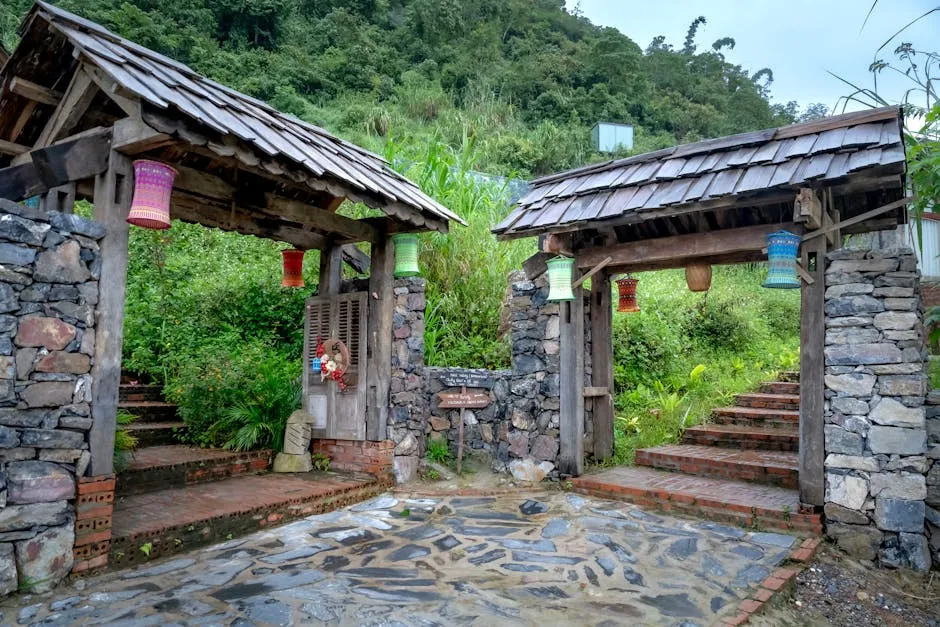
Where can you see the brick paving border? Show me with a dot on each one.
(779, 583)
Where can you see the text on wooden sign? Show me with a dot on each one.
(463, 400)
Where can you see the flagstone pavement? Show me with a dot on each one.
(526, 559)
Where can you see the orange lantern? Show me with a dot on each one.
(627, 289)
(293, 268)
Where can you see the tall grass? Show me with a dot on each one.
(467, 268)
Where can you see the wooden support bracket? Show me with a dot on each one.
(595, 391)
(804, 274)
(603, 264)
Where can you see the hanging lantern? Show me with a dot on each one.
(406, 255)
(782, 248)
(627, 289)
(559, 278)
(293, 268)
(698, 277)
(32, 202)
(153, 182)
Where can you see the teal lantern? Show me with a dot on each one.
(406, 255)
(782, 248)
(559, 279)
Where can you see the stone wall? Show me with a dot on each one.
(877, 456)
(519, 430)
(49, 266)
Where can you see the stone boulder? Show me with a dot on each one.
(49, 333)
(38, 482)
(43, 561)
(8, 579)
(528, 470)
(891, 413)
(61, 265)
(49, 394)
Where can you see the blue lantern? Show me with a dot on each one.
(782, 248)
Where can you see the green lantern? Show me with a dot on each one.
(406, 255)
(559, 279)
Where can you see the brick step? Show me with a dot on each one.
(777, 468)
(790, 376)
(137, 393)
(743, 437)
(755, 416)
(780, 387)
(761, 400)
(177, 465)
(155, 433)
(179, 519)
(150, 411)
(734, 502)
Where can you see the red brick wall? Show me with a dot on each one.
(374, 458)
(930, 292)
(94, 505)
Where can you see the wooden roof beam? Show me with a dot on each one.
(678, 250)
(297, 211)
(37, 93)
(12, 148)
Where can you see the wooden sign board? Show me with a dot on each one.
(463, 400)
(467, 380)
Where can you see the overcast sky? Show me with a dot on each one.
(800, 40)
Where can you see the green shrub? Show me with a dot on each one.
(720, 326)
(124, 443)
(438, 451)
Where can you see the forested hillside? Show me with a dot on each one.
(440, 88)
(524, 77)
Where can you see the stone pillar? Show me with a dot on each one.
(876, 430)
(49, 271)
(408, 417)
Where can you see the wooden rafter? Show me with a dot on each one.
(32, 91)
(78, 96)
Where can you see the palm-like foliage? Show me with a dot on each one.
(260, 418)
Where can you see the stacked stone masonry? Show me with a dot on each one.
(49, 270)
(882, 443)
(518, 431)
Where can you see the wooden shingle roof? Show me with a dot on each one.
(329, 163)
(802, 155)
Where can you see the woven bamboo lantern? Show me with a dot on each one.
(406, 255)
(698, 277)
(627, 290)
(559, 279)
(293, 268)
(782, 248)
(153, 184)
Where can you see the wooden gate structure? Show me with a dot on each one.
(712, 202)
(78, 103)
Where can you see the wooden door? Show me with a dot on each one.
(337, 414)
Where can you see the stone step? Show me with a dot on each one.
(743, 437)
(755, 416)
(177, 465)
(780, 387)
(150, 411)
(135, 393)
(155, 433)
(734, 502)
(761, 400)
(776, 468)
(790, 376)
(179, 519)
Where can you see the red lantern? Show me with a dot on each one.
(627, 289)
(293, 268)
(153, 184)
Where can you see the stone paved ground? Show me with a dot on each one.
(529, 559)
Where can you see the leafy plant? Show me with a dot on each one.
(321, 462)
(260, 417)
(124, 443)
(438, 451)
(146, 548)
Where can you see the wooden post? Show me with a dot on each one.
(602, 364)
(331, 270)
(381, 311)
(812, 374)
(463, 417)
(113, 194)
(571, 457)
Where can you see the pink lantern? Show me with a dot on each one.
(153, 183)
(293, 268)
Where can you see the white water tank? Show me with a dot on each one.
(612, 137)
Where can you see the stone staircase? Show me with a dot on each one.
(157, 422)
(742, 467)
(174, 497)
